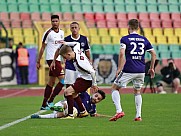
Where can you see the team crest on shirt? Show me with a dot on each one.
(81, 57)
(122, 45)
(82, 44)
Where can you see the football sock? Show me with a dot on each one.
(138, 104)
(79, 103)
(116, 100)
(56, 91)
(52, 115)
(70, 102)
(47, 94)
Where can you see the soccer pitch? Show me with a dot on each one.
(161, 116)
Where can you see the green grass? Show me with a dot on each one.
(161, 116)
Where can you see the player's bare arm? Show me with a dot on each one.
(52, 66)
(153, 58)
(121, 61)
(38, 65)
(94, 83)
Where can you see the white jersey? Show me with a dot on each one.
(82, 64)
(52, 40)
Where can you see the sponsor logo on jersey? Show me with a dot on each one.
(82, 44)
(58, 41)
(81, 57)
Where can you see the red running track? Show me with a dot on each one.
(5, 93)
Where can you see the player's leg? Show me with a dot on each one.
(49, 116)
(176, 84)
(138, 104)
(47, 93)
(79, 86)
(59, 73)
(68, 93)
(120, 81)
(56, 90)
(117, 102)
(138, 82)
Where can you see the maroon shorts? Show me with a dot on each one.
(58, 71)
(81, 85)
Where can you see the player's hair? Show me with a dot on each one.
(75, 23)
(20, 43)
(54, 16)
(65, 49)
(133, 24)
(102, 94)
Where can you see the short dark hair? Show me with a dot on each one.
(75, 23)
(102, 94)
(54, 16)
(133, 24)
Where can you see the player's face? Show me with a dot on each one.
(96, 98)
(74, 28)
(67, 56)
(55, 23)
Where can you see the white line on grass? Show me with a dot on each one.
(13, 94)
(19, 120)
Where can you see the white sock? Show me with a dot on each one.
(52, 115)
(116, 100)
(138, 104)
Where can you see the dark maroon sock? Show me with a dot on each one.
(70, 102)
(47, 94)
(56, 91)
(79, 103)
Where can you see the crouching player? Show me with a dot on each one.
(61, 107)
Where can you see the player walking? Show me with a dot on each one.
(133, 48)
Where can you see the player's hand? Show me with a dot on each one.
(52, 66)
(95, 88)
(151, 72)
(38, 65)
(117, 72)
(62, 42)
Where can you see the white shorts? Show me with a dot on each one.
(136, 78)
(70, 76)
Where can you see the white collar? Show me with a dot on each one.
(134, 32)
(74, 38)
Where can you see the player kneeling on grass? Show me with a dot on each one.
(60, 109)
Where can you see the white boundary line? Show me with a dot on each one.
(13, 94)
(19, 120)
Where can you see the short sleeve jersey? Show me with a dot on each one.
(82, 63)
(52, 40)
(135, 47)
(84, 46)
(86, 100)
